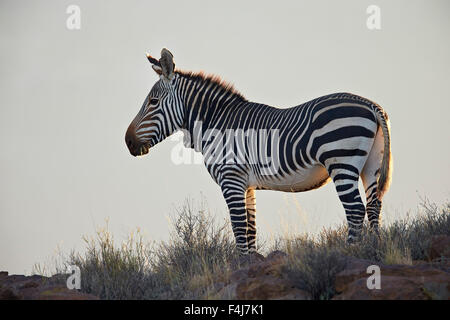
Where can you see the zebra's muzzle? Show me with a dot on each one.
(137, 149)
(143, 150)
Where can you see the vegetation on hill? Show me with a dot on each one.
(201, 253)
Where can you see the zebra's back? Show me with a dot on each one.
(313, 136)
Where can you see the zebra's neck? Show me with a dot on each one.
(207, 103)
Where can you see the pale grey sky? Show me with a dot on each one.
(67, 97)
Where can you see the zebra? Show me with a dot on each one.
(339, 137)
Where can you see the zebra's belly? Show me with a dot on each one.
(302, 179)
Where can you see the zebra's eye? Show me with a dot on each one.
(153, 101)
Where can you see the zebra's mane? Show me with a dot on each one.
(211, 78)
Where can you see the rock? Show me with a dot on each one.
(20, 287)
(268, 287)
(261, 280)
(276, 255)
(245, 261)
(417, 282)
(439, 247)
(238, 275)
(8, 294)
(30, 284)
(354, 269)
(270, 266)
(61, 293)
(255, 257)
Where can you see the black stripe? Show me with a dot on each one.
(344, 166)
(342, 112)
(341, 153)
(344, 187)
(343, 176)
(339, 134)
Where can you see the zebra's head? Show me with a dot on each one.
(162, 111)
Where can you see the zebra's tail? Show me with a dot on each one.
(384, 179)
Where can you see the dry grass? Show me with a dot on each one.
(182, 268)
(201, 252)
(314, 262)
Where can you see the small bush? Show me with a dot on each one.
(314, 262)
(197, 250)
(117, 272)
(182, 268)
(313, 268)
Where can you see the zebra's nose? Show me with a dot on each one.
(132, 146)
(131, 141)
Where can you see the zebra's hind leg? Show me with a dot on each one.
(369, 177)
(250, 206)
(373, 214)
(345, 178)
(373, 206)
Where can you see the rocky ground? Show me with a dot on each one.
(266, 278)
(423, 280)
(20, 287)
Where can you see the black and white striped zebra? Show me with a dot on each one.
(338, 137)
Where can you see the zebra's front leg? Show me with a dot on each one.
(235, 199)
(250, 206)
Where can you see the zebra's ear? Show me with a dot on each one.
(156, 65)
(157, 69)
(167, 64)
